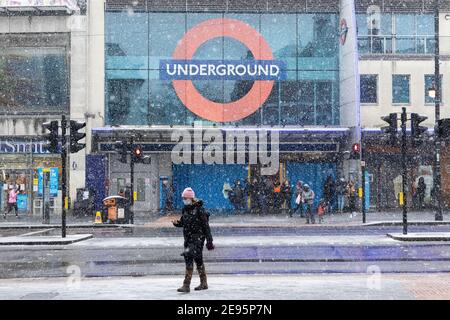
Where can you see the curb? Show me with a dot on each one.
(418, 237)
(44, 242)
(69, 226)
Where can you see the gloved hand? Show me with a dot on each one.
(176, 223)
(210, 246)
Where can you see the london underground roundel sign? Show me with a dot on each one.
(183, 69)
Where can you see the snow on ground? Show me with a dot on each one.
(242, 287)
(241, 241)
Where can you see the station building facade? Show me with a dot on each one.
(314, 119)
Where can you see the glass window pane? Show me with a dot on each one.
(369, 88)
(271, 108)
(127, 97)
(361, 22)
(234, 49)
(429, 83)
(425, 24)
(400, 88)
(165, 108)
(280, 32)
(306, 101)
(33, 79)
(164, 35)
(140, 189)
(386, 24)
(126, 40)
(404, 24)
(324, 104)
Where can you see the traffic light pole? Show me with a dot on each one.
(363, 182)
(131, 220)
(405, 171)
(437, 140)
(64, 174)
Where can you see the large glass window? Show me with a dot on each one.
(33, 74)
(369, 88)
(399, 33)
(400, 88)
(307, 44)
(126, 40)
(127, 97)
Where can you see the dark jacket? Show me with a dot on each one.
(286, 191)
(195, 223)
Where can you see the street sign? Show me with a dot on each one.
(53, 182)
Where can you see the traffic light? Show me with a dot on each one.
(137, 154)
(52, 137)
(416, 129)
(122, 147)
(76, 136)
(391, 129)
(443, 129)
(355, 154)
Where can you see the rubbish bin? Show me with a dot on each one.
(115, 208)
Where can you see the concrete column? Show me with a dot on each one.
(87, 84)
(349, 81)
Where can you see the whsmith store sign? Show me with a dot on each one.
(22, 146)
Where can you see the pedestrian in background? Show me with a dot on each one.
(421, 190)
(340, 192)
(299, 197)
(12, 201)
(308, 198)
(321, 209)
(277, 197)
(195, 223)
(286, 196)
(329, 190)
(238, 193)
(351, 194)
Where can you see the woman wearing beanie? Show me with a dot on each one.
(195, 223)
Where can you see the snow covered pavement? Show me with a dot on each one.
(278, 287)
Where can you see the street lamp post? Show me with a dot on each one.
(437, 100)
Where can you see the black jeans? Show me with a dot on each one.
(11, 206)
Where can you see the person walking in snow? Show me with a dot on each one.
(195, 223)
(286, 196)
(12, 201)
(308, 198)
(299, 197)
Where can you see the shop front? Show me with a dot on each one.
(20, 162)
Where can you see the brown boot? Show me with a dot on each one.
(187, 281)
(202, 273)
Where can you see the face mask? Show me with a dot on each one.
(187, 202)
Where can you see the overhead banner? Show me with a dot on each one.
(69, 4)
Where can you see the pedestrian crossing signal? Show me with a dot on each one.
(392, 127)
(76, 136)
(52, 137)
(416, 129)
(356, 151)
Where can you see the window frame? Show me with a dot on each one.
(38, 41)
